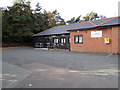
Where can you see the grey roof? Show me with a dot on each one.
(57, 30)
(64, 29)
(98, 23)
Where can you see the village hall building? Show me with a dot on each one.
(101, 36)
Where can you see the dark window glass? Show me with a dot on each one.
(69, 40)
(78, 39)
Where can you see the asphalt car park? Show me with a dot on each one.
(41, 68)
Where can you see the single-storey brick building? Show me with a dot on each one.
(96, 36)
(101, 35)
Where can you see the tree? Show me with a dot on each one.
(78, 19)
(102, 16)
(74, 20)
(50, 18)
(59, 20)
(38, 7)
(18, 1)
(88, 17)
(40, 20)
(92, 16)
(20, 22)
(54, 18)
(17, 23)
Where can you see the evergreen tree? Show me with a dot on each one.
(74, 20)
(17, 23)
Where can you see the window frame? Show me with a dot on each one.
(57, 40)
(78, 39)
(64, 39)
(69, 40)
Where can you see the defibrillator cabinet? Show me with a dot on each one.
(106, 40)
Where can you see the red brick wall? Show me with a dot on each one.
(96, 44)
(115, 41)
(119, 39)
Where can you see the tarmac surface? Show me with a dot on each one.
(42, 68)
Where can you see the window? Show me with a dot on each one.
(78, 39)
(55, 40)
(69, 40)
(62, 40)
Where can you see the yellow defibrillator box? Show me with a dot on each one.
(106, 40)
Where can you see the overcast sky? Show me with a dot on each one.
(74, 8)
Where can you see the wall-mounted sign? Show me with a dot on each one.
(95, 34)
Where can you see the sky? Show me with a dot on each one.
(74, 8)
